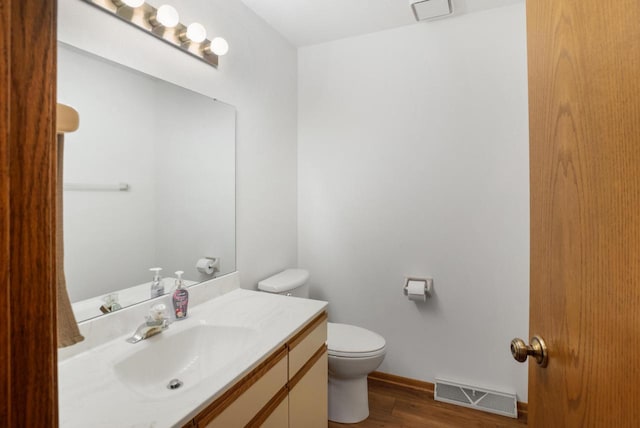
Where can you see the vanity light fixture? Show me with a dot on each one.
(218, 46)
(164, 23)
(167, 16)
(196, 32)
(130, 3)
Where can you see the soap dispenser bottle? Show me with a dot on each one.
(180, 298)
(157, 287)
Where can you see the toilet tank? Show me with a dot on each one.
(290, 282)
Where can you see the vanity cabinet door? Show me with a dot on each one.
(308, 393)
(279, 418)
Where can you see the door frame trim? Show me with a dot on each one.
(28, 330)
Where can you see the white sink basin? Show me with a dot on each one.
(191, 355)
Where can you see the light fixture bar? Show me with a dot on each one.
(142, 17)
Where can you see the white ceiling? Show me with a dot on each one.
(307, 22)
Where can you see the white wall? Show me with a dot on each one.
(258, 76)
(413, 160)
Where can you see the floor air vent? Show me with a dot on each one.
(477, 398)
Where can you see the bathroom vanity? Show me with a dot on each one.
(288, 389)
(243, 358)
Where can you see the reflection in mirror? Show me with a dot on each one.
(149, 182)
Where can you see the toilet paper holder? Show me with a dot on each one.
(208, 265)
(428, 285)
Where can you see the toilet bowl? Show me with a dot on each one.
(353, 353)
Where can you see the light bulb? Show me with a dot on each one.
(219, 46)
(133, 3)
(167, 16)
(196, 32)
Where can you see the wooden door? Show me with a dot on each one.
(584, 99)
(28, 363)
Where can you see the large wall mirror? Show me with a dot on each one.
(149, 181)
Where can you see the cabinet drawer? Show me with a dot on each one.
(239, 405)
(305, 344)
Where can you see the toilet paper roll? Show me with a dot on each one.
(416, 291)
(205, 266)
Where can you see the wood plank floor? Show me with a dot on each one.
(401, 407)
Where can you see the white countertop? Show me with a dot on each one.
(91, 395)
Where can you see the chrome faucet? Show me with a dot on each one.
(156, 322)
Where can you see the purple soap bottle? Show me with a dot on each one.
(180, 298)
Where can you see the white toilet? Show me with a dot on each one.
(354, 352)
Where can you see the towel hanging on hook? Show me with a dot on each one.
(67, 120)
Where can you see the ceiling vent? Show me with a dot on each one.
(427, 10)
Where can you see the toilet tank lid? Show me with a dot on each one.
(284, 281)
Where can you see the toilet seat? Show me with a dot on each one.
(350, 341)
(356, 355)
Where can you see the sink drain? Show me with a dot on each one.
(174, 384)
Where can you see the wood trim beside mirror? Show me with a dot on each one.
(28, 356)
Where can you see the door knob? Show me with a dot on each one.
(538, 349)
